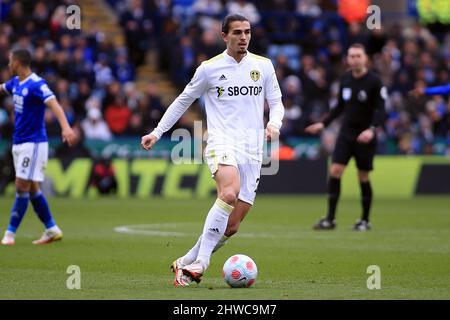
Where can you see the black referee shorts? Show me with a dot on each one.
(347, 147)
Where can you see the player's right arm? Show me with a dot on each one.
(440, 90)
(6, 87)
(430, 91)
(195, 88)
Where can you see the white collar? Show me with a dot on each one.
(230, 58)
(26, 79)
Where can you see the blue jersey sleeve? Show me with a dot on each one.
(8, 86)
(431, 91)
(43, 92)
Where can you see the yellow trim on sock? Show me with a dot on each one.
(223, 205)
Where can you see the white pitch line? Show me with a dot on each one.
(155, 230)
(130, 230)
(160, 230)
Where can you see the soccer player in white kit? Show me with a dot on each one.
(235, 85)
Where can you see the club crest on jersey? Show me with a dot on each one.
(24, 92)
(362, 96)
(220, 91)
(346, 93)
(254, 74)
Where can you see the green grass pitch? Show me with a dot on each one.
(410, 242)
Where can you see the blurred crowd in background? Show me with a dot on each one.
(306, 39)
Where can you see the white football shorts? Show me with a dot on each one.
(30, 160)
(248, 168)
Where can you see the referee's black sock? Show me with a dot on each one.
(366, 199)
(334, 191)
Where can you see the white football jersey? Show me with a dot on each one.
(234, 96)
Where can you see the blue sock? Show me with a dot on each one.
(41, 208)
(18, 210)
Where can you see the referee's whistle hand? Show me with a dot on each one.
(314, 128)
(148, 141)
(366, 136)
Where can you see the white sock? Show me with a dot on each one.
(213, 230)
(192, 254)
(55, 229)
(9, 233)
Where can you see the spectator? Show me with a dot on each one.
(94, 127)
(103, 177)
(103, 73)
(245, 8)
(117, 116)
(208, 12)
(308, 8)
(291, 121)
(123, 70)
(82, 95)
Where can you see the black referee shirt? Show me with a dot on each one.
(361, 101)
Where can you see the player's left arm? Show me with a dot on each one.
(68, 135)
(380, 95)
(276, 114)
(46, 96)
(276, 108)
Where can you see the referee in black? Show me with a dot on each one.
(361, 102)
